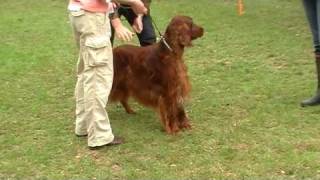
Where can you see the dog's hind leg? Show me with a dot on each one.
(127, 107)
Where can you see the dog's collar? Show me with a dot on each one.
(165, 43)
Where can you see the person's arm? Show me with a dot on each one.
(137, 25)
(121, 31)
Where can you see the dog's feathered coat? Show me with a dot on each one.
(156, 76)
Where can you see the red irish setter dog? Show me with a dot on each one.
(156, 75)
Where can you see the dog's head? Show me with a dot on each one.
(183, 30)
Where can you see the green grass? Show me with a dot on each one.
(248, 73)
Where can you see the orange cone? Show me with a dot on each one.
(240, 7)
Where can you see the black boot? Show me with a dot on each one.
(315, 100)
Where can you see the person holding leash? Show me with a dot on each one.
(91, 26)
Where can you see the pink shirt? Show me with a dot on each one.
(88, 5)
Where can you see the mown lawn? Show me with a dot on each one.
(249, 75)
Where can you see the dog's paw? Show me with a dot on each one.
(185, 125)
(130, 111)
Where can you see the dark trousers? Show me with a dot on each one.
(147, 35)
(312, 9)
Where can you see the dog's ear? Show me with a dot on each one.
(185, 36)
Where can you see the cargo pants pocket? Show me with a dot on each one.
(98, 50)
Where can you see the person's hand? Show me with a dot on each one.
(137, 25)
(121, 31)
(124, 33)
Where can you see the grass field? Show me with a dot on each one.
(248, 73)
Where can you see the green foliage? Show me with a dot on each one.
(248, 73)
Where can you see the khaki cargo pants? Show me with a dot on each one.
(94, 76)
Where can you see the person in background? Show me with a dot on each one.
(312, 10)
(141, 24)
(91, 26)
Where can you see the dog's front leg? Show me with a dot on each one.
(168, 118)
(163, 115)
(184, 122)
(182, 116)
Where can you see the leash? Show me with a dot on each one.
(162, 38)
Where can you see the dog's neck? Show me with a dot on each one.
(164, 41)
(170, 46)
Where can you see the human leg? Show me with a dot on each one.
(96, 78)
(312, 8)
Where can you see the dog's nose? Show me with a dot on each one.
(197, 32)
